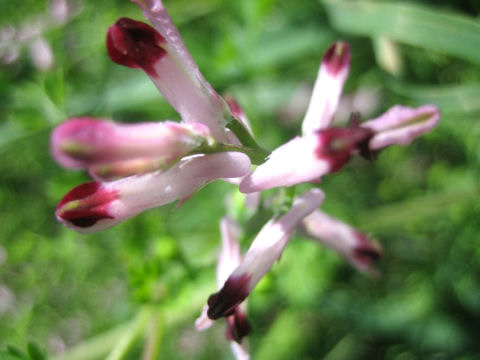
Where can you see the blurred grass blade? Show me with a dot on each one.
(452, 100)
(428, 206)
(411, 24)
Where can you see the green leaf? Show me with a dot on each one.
(411, 24)
(16, 352)
(35, 352)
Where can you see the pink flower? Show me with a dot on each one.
(264, 251)
(161, 53)
(84, 142)
(323, 149)
(230, 257)
(353, 245)
(97, 206)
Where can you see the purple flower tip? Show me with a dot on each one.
(85, 205)
(135, 44)
(238, 326)
(337, 58)
(224, 302)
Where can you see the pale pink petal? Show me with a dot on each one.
(95, 206)
(328, 88)
(264, 251)
(230, 255)
(400, 125)
(161, 53)
(240, 351)
(306, 158)
(119, 169)
(353, 245)
(85, 142)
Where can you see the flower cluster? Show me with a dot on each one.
(145, 165)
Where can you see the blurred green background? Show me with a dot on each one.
(134, 291)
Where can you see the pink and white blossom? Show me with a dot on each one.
(84, 142)
(161, 53)
(400, 125)
(230, 257)
(97, 206)
(352, 244)
(264, 251)
(306, 158)
(328, 88)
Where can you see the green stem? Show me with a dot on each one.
(131, 335)
(256, 156)
(247, 140)
(155, 333)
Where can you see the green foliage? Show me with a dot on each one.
(139, 286)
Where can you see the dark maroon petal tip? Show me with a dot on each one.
(85, 205)
(224, 302)
(135, 44)
(337, 57)
(336, 145)
(238, 326)
(366, 253)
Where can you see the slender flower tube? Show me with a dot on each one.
(265, 249)
(230, 257)
(84, 142)
(400, 125)
(161, 53)
(328, 88)
(120, 169)
(353, 245)
(306, 158)
(96, 206)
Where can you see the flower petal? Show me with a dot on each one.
(94, 206)
(306, 158)
(353, 245)
(84, 142)
(400, 125)
(328, 88)
(265, 249)
(161, 53)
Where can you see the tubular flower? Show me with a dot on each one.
(328, 88)
(323, 149)
(85, 142)
(230, 257)
(161, 53)
(264, 251)
(97, 206)
(353, 245)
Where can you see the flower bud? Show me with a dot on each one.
(86, 142)
(161, 53)
(97, 206)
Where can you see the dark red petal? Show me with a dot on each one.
(365, 253)
(336, 145)
(80, 192)
(135, 44)
(224, 302)
(337, 57)
(237, 326)
(92, 206)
